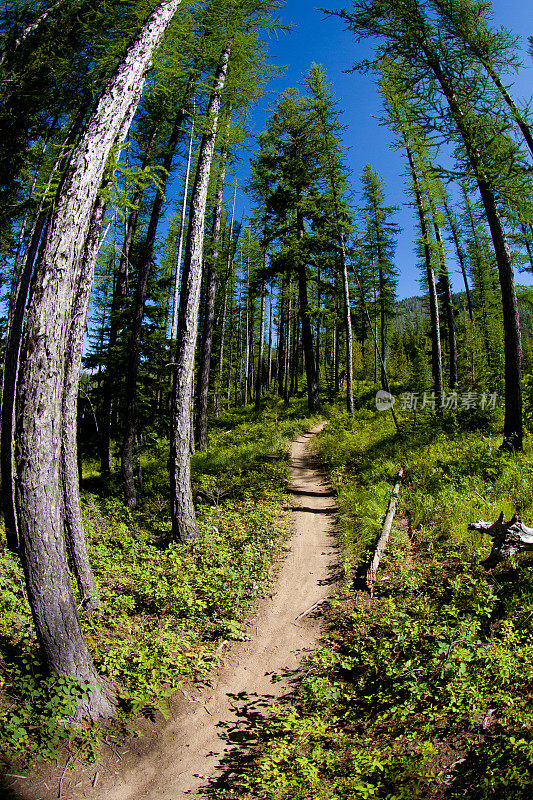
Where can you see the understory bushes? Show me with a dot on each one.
(424, 691)
(165, 606)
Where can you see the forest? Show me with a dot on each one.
(171, 330)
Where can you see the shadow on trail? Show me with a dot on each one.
(241, 739)
(7, 792)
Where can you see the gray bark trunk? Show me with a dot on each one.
(43, 360)
(184, 526)
(74, 534)
(209, 317)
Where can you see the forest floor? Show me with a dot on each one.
(212, 730)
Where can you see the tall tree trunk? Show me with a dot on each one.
(436, 357)
(74, 534)
(218, 387)
(444, 281)
(280, 354)
(260, 355)
(184, 526)
(204, 366)
(513, 426)
(269, 377)
(120, 293)
(460, 254)
(313, 400)
(176, 292)
(15, 324)
(348, 328)
(43, 360)
(287, 353)
(141, 292)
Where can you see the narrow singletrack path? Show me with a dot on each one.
(203, 745)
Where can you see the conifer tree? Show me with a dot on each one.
(432, 66)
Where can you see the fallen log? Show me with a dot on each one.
(510, 538)
(385, 533)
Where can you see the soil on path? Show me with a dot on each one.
(202, 746)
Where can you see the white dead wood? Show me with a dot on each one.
(385, 533)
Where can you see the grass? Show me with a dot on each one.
(425, 691)
(165, 606)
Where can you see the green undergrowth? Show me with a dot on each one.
(166, 607)
(425, 691)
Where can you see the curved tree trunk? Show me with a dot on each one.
(41, 387)
(184, 525)
(513, 426)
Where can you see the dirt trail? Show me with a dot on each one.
(202, 746)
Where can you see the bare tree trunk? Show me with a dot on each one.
(209, 316)
(348, 328)
(280, 354)
(287, 354)
(74, 534)
(218, 387)
(15, 324)
(269, 378)
(184, 526)
(460, 254)
(444, 281)
(43, 361)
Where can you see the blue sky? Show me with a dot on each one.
(324, 41)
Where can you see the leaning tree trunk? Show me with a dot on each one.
(184, 526)
(41, 383)
(15, 324)
(452, 224)
(513, 425)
